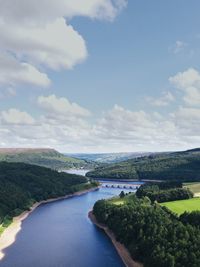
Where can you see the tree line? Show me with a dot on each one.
(182, 166)
(164, 192)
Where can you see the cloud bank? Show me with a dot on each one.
(69, 127)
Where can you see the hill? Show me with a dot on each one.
(109, 157)
(22, 184)
(42, 157)
(184, 166)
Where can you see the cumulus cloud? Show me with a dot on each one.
(13, 72)
(189, 82)
(61, 106)
(27, 10)
(16, 117)
(188, 78)
(162, 101)
(123, 124)
(39, 36)
(55, 45)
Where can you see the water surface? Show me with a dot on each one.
(59, 234)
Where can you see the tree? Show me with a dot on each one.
(122, 194)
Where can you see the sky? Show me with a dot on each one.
(100, 75)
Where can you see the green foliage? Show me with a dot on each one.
(182, 166)
(5, 223)
(162, 192)
(192, 218)
(122, 194)
(152, 235)
(21, 185)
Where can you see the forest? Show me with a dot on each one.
(183, 166)
(163, 192)
(153, 234)
(22, 184)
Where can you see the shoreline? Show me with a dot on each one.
(8, 237)
(121, 249)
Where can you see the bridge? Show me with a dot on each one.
(120, 185)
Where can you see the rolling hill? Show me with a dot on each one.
(184, 166)
(109, 157)
(41, 156)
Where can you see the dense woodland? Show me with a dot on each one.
(152, 234)
(192, 218)
(22, 184)
(164, 192)
(183, 166)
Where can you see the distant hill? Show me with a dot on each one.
(109, 157)
(184, 166)
(42, 157)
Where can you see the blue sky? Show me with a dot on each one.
(100, 76)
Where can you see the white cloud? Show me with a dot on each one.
(16, 117)
(66, 129)
(55, 45)
(27, 10)
(189, 82)
(13, 72)
(37, 36)
(188, 78)
(162, 101)
(61, 106)
(187, 117)
(192, 96)
(139, 130)
(187, 120)
(133, 127)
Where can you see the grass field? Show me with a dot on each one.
(117, 201)
(120, 201)
(181, 206)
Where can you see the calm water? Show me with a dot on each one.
(59, 234)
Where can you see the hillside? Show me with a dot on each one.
(40, 156)
(184, 166)
(109, 157)
(22, 184)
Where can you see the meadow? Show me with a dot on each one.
(180, 206)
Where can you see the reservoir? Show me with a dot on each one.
(59, 234)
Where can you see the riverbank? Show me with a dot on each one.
(9, 235)
(121, 249)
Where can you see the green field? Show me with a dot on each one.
(118, 201)
(181, 206)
